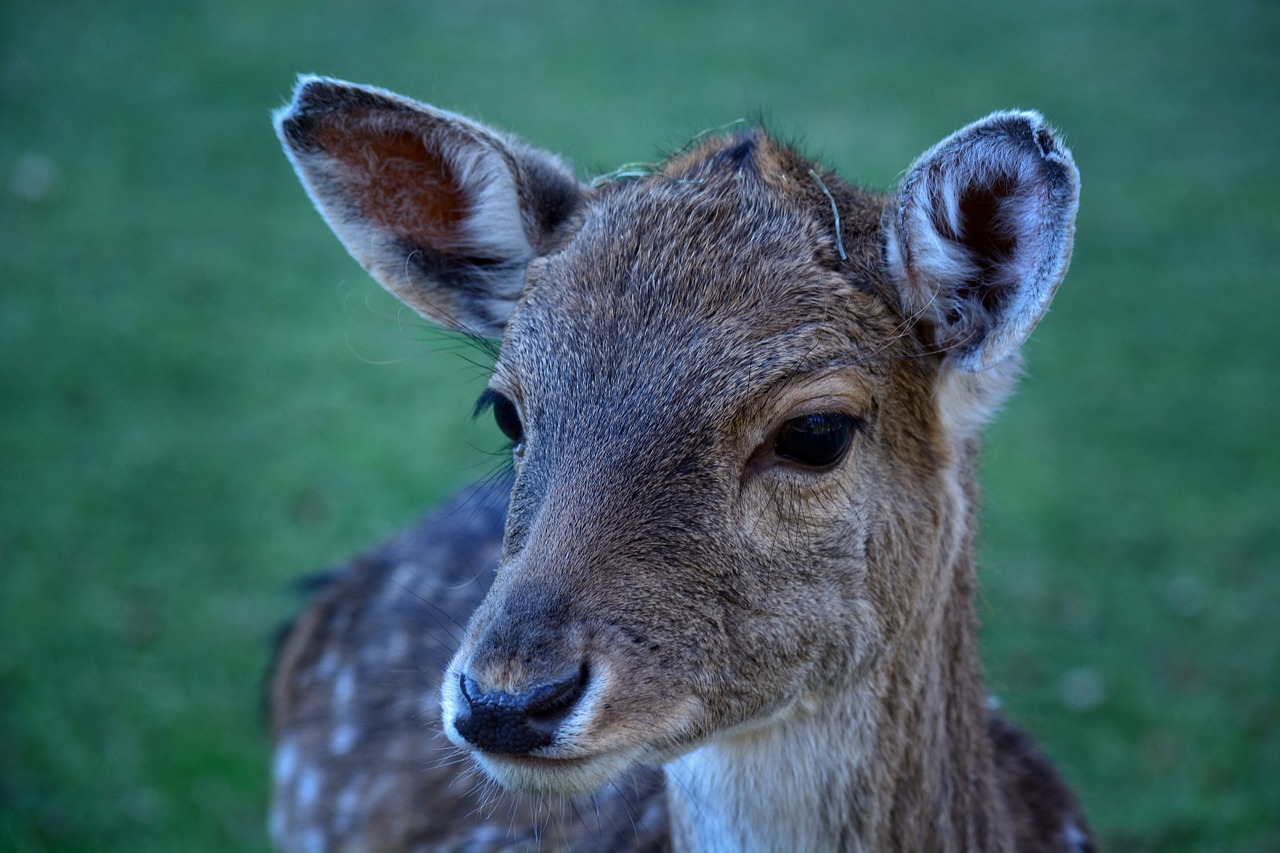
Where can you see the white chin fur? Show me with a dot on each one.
(556, 776)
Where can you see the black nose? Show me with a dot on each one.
(517, 723)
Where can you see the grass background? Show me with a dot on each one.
(202, 398)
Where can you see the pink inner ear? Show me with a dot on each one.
(398, 179)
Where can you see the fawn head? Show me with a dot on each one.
(741, 394)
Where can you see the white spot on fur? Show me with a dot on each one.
(349, 802)
(308, 789)
(328, 665)
(486, 836)
(313, 842)
(344, 687)
(380, 788)
(342, 739)
(396, 647)
(401, 579)
(276, 823)
(286, 762)
(1075, 839)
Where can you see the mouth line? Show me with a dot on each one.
(538, 760)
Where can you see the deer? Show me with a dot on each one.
(723, 597)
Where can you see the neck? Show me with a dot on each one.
(901, 760)
(796, 784)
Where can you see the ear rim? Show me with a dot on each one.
(1004, 143)
(470, 285)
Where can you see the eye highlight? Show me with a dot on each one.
(505, 414)
(819, 440)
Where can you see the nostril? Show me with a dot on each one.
(553, 700)
(517, 723)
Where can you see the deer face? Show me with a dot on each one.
(694, 392)
(737, 394)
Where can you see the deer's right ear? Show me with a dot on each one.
(443, 212)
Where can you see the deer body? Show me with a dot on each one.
(744, 399)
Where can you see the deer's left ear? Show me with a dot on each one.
(981, 233)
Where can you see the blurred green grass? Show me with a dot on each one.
(202, 398)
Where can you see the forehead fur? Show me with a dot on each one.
(730, 248)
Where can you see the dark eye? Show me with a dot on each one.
(504, 414)
(818, 440)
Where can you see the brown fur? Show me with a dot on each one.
(796, 646)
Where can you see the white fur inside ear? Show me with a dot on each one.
(495, 222)
(980, 235)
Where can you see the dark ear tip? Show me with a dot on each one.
(312, 93)
(1029, 132)
(1041, 135)
(294, 127)
(293, 122)
(315, 94)
(1046, 141)
(1025, 128)
(315, 97)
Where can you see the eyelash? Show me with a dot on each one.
(505, 414)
